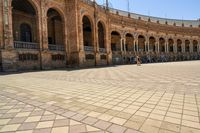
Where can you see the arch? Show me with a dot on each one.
(171, 45)
(195, 46)
(152, 44)
(24, 21)
(87, 31)
(58, 10)
(141, 43)
(161, 44)
(55, 27)
(101, 35)
(115, 41)
(129, 42)
(29, 5)
(179, 45)
(187, 46)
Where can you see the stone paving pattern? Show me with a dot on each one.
(152, 98)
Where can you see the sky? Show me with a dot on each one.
(173, 9)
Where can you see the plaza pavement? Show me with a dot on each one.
(152, 98)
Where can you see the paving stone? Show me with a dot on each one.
(77, 128)
(90, 120)
(170, 126)
(102, 124)
(169, 98)
(116, 128)
(9, 128)
(60, 123)
(28, 126)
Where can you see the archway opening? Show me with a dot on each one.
(195, 46)
(141, 43)
(152, 44)
(129, 42)
(87, 32)
(24, 21)
(187, 46)
(115, 41)
(55, 28)
(162, 44)
(101, 35)
(179, 45)
(171, 45)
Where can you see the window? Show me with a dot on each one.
(25, 33)
(28, 57)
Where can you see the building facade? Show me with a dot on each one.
(47, 34)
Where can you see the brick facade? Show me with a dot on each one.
(58, 37)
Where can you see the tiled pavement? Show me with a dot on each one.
(153, 98)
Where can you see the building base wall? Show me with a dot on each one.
(9, 60)
(17, 59)
(53, 60)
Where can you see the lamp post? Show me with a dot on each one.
(106, 4)
(128, 5)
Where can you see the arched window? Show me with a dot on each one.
(25, 33)
(129, 42)
(162, 44)
(101, 36)
(115, 41)
(187, 46)
(27, 30)
(141, 43)
(179, 45)
(152, 44)
(195, 46)
(171, 45)
(55, 28)
(87, 32)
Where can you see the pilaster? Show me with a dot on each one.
(74, 33)
(191, 46)
(7, 25)
(1, 24)
(175, 46)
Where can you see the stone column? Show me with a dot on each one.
(198, 47)
(45, 53)
(137, 46)
(183, 46)
(158, 46)
(124, 45)
(134, 47)
(1, 24)
(44, 26)
(8, 55)
(191, 47)
(7, 21)
(81, 45)
(175, 46)
(121, 44)
(147, 46)
(108, 46)
(166, 47)
(95, 43)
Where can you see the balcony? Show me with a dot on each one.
(102, 50)
(53, 47)
(25, 45)
(89, 48)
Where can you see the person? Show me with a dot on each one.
(138, 60)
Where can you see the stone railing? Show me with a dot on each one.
(89, 2)
(89, 48)
(53, 47)
(25, 45)
(102, 50)
(177, 22)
